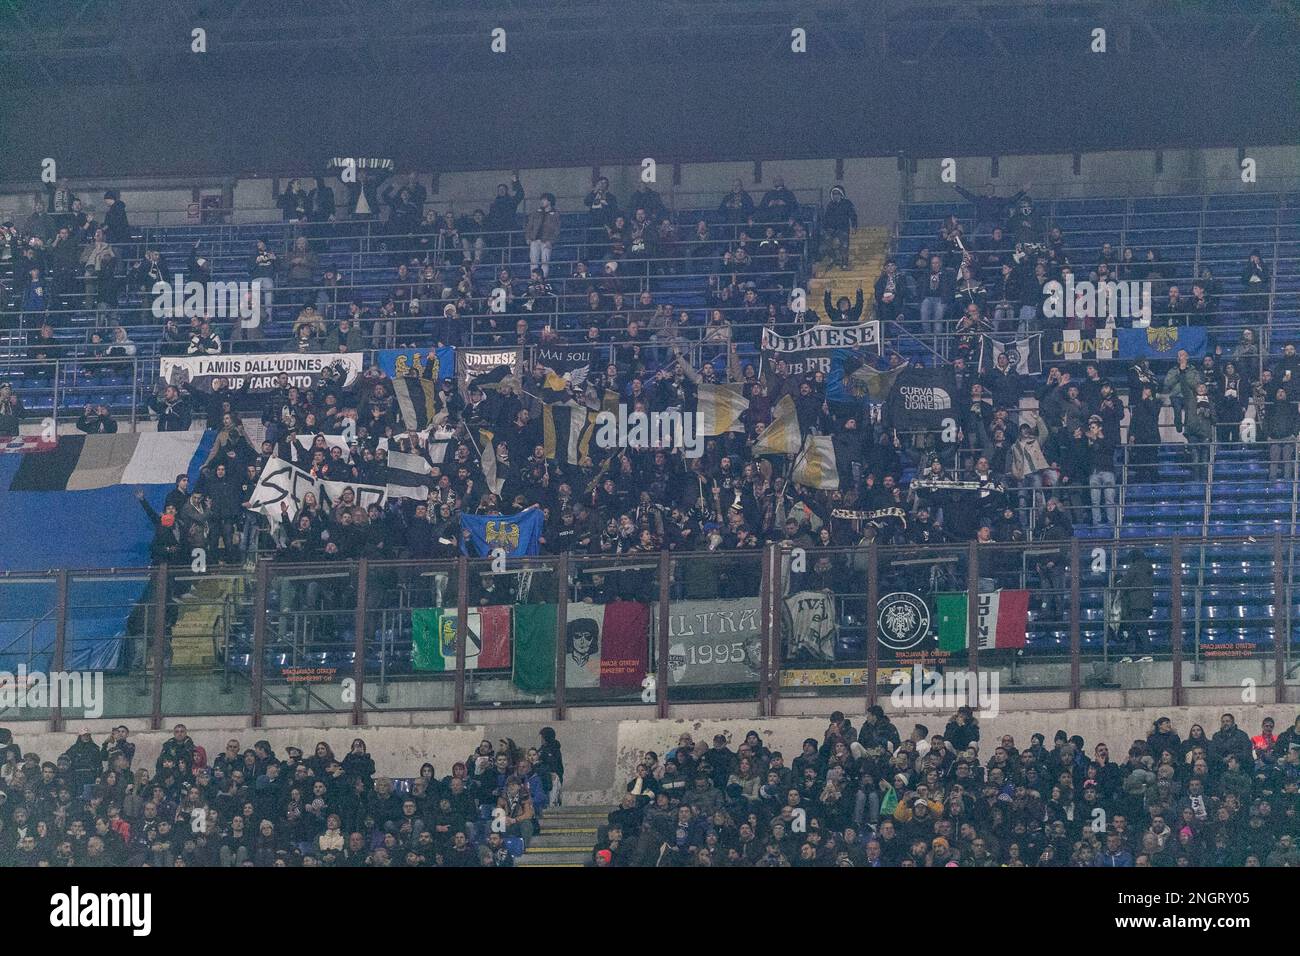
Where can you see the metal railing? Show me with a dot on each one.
(675, 201)
(60, 387)
(703, 626)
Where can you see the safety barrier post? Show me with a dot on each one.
(359, 645)
(462, 629)
(261, 581)
(159, 643)
(58, 662)
(765, 602)
(561, 622)
(661, 646)
(973, 618)
(1280, 633)
(1075, 569)
(873, 600)
(1176, 616)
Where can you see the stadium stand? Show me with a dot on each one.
(861, 797)
(347, 524)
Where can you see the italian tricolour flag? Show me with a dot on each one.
(1002, 620)
(433, 638)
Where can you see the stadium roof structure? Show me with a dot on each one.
(416, 80)
(84, 41)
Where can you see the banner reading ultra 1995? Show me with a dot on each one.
(713, 642)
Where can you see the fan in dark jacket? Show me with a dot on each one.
(167, 546)
(842, 313)
(173, 409)
(963, 730)
(1163, 737)
(501, 214)
(892, 293)
(838, 218)
(1229, 741)
(1136, 598)
(116, 228)
(84, 756)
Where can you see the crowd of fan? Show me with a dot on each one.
(1036, 471)
(869, 797)
(94, 806)
(440, 285)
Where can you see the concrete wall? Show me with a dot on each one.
(601, 749)
(1115, 173)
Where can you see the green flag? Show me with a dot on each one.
(433, 639)
(950, 610)
(534, 647)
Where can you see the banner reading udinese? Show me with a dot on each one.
(486, 368)
(1002, 619)
(810, 350)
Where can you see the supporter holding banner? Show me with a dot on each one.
(823, 337)
(408, 476)
(486, 368)
(1024, 356)
(1162, 342)
(853, 378)
(1154, 342)
(435, 364)
(258, 373)
(816, 466)
(569, 363)
(283, 483)
(518, 535)
(921, 399)
(1073, 345)
(811, 350)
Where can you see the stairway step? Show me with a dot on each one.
(562, 843)
(578, 811)
(534, 848)
(585, 823)
(525, 861)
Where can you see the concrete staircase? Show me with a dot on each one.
(567, 838)
(868, 249)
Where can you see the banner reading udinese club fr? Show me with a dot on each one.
(810, 350)
(260, 371)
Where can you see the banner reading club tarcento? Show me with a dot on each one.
(259, 371)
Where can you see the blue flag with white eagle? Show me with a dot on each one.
(518, 535)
